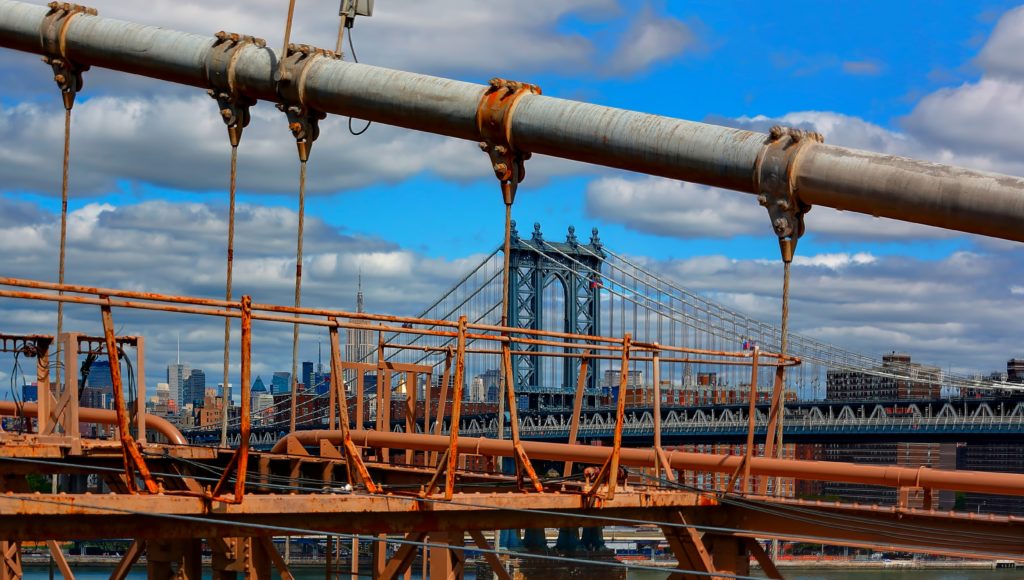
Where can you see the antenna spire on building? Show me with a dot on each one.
(359, 293)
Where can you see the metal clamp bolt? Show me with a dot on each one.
(52, 32)
(220, 74)
(775, 180)
(303, 121)
(494, 121)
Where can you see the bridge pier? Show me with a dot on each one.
(510, 539)
(568, 540)
(535, 539)
(592, 539)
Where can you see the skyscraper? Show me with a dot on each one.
(280, 383)
(195, 388)
(177, 374)
(308, 376)
(359, 343)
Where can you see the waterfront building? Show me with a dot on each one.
(999, 457)
(898, 378)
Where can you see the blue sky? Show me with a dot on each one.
(932, 80)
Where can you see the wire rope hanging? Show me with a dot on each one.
(303, 122)
(68, 76)
(775, 171)
(494, 122)
(234, 111)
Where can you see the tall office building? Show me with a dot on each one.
(360, 343)
(195, 388)
(177, 374)
(308, 376)
(98, 390)
(281, 383)
(99, 376)
(477, 392)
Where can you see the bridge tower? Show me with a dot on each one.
(534, 266)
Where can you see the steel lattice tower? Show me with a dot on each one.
(533, 271)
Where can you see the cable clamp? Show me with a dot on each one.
(775, 181)
(220, 75)
(52, 33)
(291, 88)
(494, 122)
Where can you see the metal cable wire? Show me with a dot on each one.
(233, 177)
(63, 233)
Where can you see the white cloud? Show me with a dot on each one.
(179, 248)
(835, 261)
(951, 311)
(1019, 290)
(462, 38)
(999, 56)
(179, 142)
(650, 38)
(676, 209)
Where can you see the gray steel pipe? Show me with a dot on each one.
(881, 185)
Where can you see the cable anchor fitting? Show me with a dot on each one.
(52, 33)
(220, 75)
(303, 121)
(775, 181)
(494, 121)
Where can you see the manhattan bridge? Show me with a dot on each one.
(581, 285)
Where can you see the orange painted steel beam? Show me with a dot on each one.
(889, 476)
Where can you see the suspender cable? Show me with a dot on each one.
(234, 110)
(227, 294)
(68, 76)
(304, 125)
(63, 231)
(298, 290)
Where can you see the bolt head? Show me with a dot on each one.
(483, 145)
(763, 200)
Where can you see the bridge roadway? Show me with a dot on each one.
(939, 420)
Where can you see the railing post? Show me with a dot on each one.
(43, 396)
(133, 459)
(353, 456)
(240, 460)
(577, 407)
(453, 446)
(751, 418)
